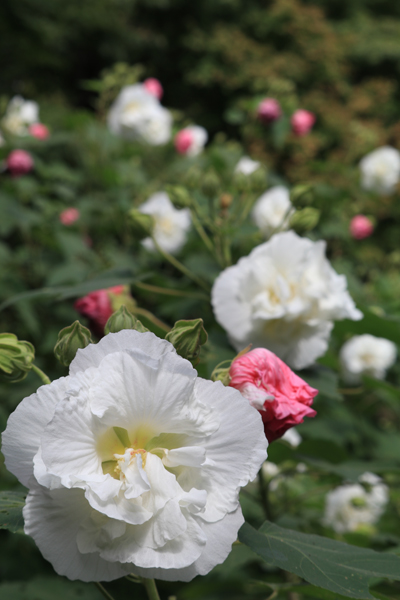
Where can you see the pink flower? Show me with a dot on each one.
(98, 307)
(183, 141)
(19, 162)
(302, 121)
(69, 216)
(191, 140)
(154, 87)
(281, 397)
(269, 110)
(361, 227)
(39, 131)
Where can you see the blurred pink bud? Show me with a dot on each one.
(154, 87)
(19, 162)
(97, 306)
(302, 121)
(269, 110)
(270, 386)
(69, 216)
(361, 227)
(183, 141)
(39, 131)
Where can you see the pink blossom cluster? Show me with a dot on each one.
(269, 110)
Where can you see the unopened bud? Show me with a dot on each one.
(305, 219)
(210, 184)
(258, 180)
(70, 339)
(193, 177)
(123, 319)
(302, 194)
(16, 358)
(225, 201)
(142, 224)
(179, 196)
(187, 337)
(241, 182)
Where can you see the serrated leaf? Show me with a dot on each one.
(323, 562)
(11, 505)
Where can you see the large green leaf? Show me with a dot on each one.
(11, 505)
(325, 563)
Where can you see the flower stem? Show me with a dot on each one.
(263, 487)
(103, 590)
(146, 313)
(46, 380)
(170, 292)
(178, 265)
(151, 589)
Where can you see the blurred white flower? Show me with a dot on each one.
(246, 165)
(366, 355)
(284, 296)
(380, 170)
(19, 115)
(137, 114)
(292, 437)
(171, 225)
(269, 469)
(272, 210)
(350, 506)
(133, 463)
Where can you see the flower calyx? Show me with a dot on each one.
(305, 219)
(70, 340)
(179, 196)
(142, 224)
(16, 358)
(187, 337)
(123, 319)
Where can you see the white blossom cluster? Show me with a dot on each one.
(19, 115)
(171, 224)
(366, 355)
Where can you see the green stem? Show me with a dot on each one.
(202, 233)
(169, 292)
(152, 318)
(41, 374)
(263, 487)
(103, 590)
(151, 589)
(178, 265)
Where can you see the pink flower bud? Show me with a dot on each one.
(183, 141)
(19, 162)
(302, 121)
(280, 396)
(361, 227)
(269, 110)
(69, 216)
(154, 87)
(39, 131)
(98, 306)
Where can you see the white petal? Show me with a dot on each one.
(189, 456)
(25, 426)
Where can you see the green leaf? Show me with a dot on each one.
(324, 380)
(11, 505)
(323, 562)
(48, 588)
(351, 469)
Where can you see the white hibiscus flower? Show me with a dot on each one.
(171, 224)
(137, 114)
(380, 170)
(284, 296)
(366, 355)
(133, 463)
(246, 165)
(19, 115)
(272, 210)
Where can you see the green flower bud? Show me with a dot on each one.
(258, 180)
(142, 224)
(193, 177)
(123, 319)
(302, 194)
(305, 219)
(179, 196)
(187, 337)
(70, 339)
(210, 184)
(241, 182)
(16, 358)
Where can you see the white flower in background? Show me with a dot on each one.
(366, 355)
(272, 210)
(171, 224)
(284, 296)
(292, 437)
(350, 506)
(380, 170)
(133, 463)
(246, 165)
(269, 469)
(137, 115)
(19, 115)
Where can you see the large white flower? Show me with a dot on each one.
(137, 114)
(366, 355)
(284, 296)
(350, 506)
(133, 463)
(19, 115)
(246, 165)
(272, 210)
(171, 224)
(380, 170)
